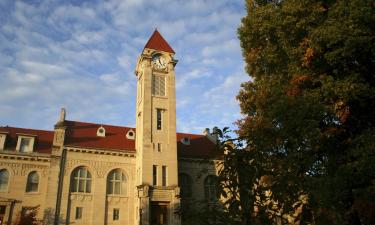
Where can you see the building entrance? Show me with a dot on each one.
(159, 213)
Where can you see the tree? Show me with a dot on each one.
(309, 112)
(28, 216)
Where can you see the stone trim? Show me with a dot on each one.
(100, 151)
(25, 156)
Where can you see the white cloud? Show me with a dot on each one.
(82, 56)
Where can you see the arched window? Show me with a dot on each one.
(81, 180)
(210, 187)
(116, 183)
(32, 182)
(185, 182)
(4, 179)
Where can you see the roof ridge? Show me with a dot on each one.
(22, 128)
(99, 124)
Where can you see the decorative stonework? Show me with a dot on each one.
(98, 167)
(143, 191)
(161, 195)
(177, 191)
(59, 137)
(80, 197)
(24, 169)
(117, 199)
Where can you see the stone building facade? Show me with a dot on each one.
(86, 173)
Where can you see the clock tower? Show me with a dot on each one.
(156, 144)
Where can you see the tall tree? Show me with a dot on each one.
(309, 109)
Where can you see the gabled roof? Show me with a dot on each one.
(84, 135)
(157, 42)
(43, 141)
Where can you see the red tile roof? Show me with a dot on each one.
(200, 146)
(157, 42)
(81, 134)
(43, 141)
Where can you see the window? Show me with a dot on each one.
(185, 141)
(154, 175)
(4, 179)
(116, 214)
(25, 145)
(32, 182)
(79, 212)
(2, 140)
(158, 119)
(164, 175)
(210, 185)
(116, 183)
(158, 85)
(185, 183)
(81, 180)
(159, 147)
(100, 132)
(2, 209)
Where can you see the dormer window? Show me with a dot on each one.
(130, 135)
(185, 141)
(3, 136)
(25, 143)
(100, 132)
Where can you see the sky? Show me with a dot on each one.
(81, 55)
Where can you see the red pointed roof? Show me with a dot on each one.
(157, 42)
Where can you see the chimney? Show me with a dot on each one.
(212, 136)
(61, 121)
(215, 133)
(60, 127)
(62, 115)
(206, 131)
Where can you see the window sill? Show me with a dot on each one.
(33, 193)
(158, 96)
(117, 196)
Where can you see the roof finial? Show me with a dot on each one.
(62, 115)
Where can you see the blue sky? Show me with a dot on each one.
(81, 55)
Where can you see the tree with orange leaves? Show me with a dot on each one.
(310, 108)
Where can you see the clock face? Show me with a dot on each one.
(159, 62)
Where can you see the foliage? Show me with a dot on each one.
(309, 122)
(28, 216)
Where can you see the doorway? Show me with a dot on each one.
(159, 213)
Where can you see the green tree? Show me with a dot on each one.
(309, 113)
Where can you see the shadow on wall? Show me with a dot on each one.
(49, 215)
(199, 194)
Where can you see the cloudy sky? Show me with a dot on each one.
(81, 55)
